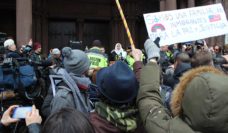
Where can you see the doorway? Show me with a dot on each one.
(60, 33)
(96, 30)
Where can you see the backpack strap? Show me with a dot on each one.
(55, 79)
(79, 99)
(65, 92)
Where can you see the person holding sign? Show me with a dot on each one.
(198, 104)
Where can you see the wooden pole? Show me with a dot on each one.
(125, 24)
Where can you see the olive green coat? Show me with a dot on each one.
(199, 103)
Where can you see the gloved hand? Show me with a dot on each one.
(137, 54)
(152, 50)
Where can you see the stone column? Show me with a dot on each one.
(211, 1)
(162, 5)
(171, 5)
(23, 21)
(208, 2)
(191, 3)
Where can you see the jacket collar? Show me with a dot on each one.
(178, 93)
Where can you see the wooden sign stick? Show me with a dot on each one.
(125, 24)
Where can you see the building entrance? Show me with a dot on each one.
(60, 33)
(93, 30)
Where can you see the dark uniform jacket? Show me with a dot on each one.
(13, 54)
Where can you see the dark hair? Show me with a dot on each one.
(183, 57)
(180, 46)
(199, 43)
(97, 43)
(170, 47)
(67, 120)
(201, 58)
(219, 48)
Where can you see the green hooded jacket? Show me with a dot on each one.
(199, 102)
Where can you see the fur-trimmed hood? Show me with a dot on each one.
(201, 100)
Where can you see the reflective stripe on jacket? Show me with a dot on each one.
(97, 60)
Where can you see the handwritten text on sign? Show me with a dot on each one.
(187, 24)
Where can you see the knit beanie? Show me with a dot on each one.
(8, 43)
(55, 51)
(36, 46)
(75, 61)
(97, 43)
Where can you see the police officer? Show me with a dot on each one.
(96, 57)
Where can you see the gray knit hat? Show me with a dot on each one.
(75, 61)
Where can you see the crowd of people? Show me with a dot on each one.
(168, 88)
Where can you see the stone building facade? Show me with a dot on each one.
(55, 22)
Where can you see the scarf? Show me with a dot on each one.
(81, 101)
(120, 51)
(124, 119)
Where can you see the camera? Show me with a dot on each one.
(76, 45)
(2, 52)
(219, 60)
(26, 49)
(20, 112)
(3, 37)
(199, 43)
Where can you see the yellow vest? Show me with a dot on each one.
(130, 60)
(97, 60)
(169, 54)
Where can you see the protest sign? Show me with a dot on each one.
(226, 39)
(187, 24)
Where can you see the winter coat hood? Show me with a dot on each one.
(201, 100)
(181, 68)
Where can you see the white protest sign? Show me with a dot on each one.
(187, 24)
